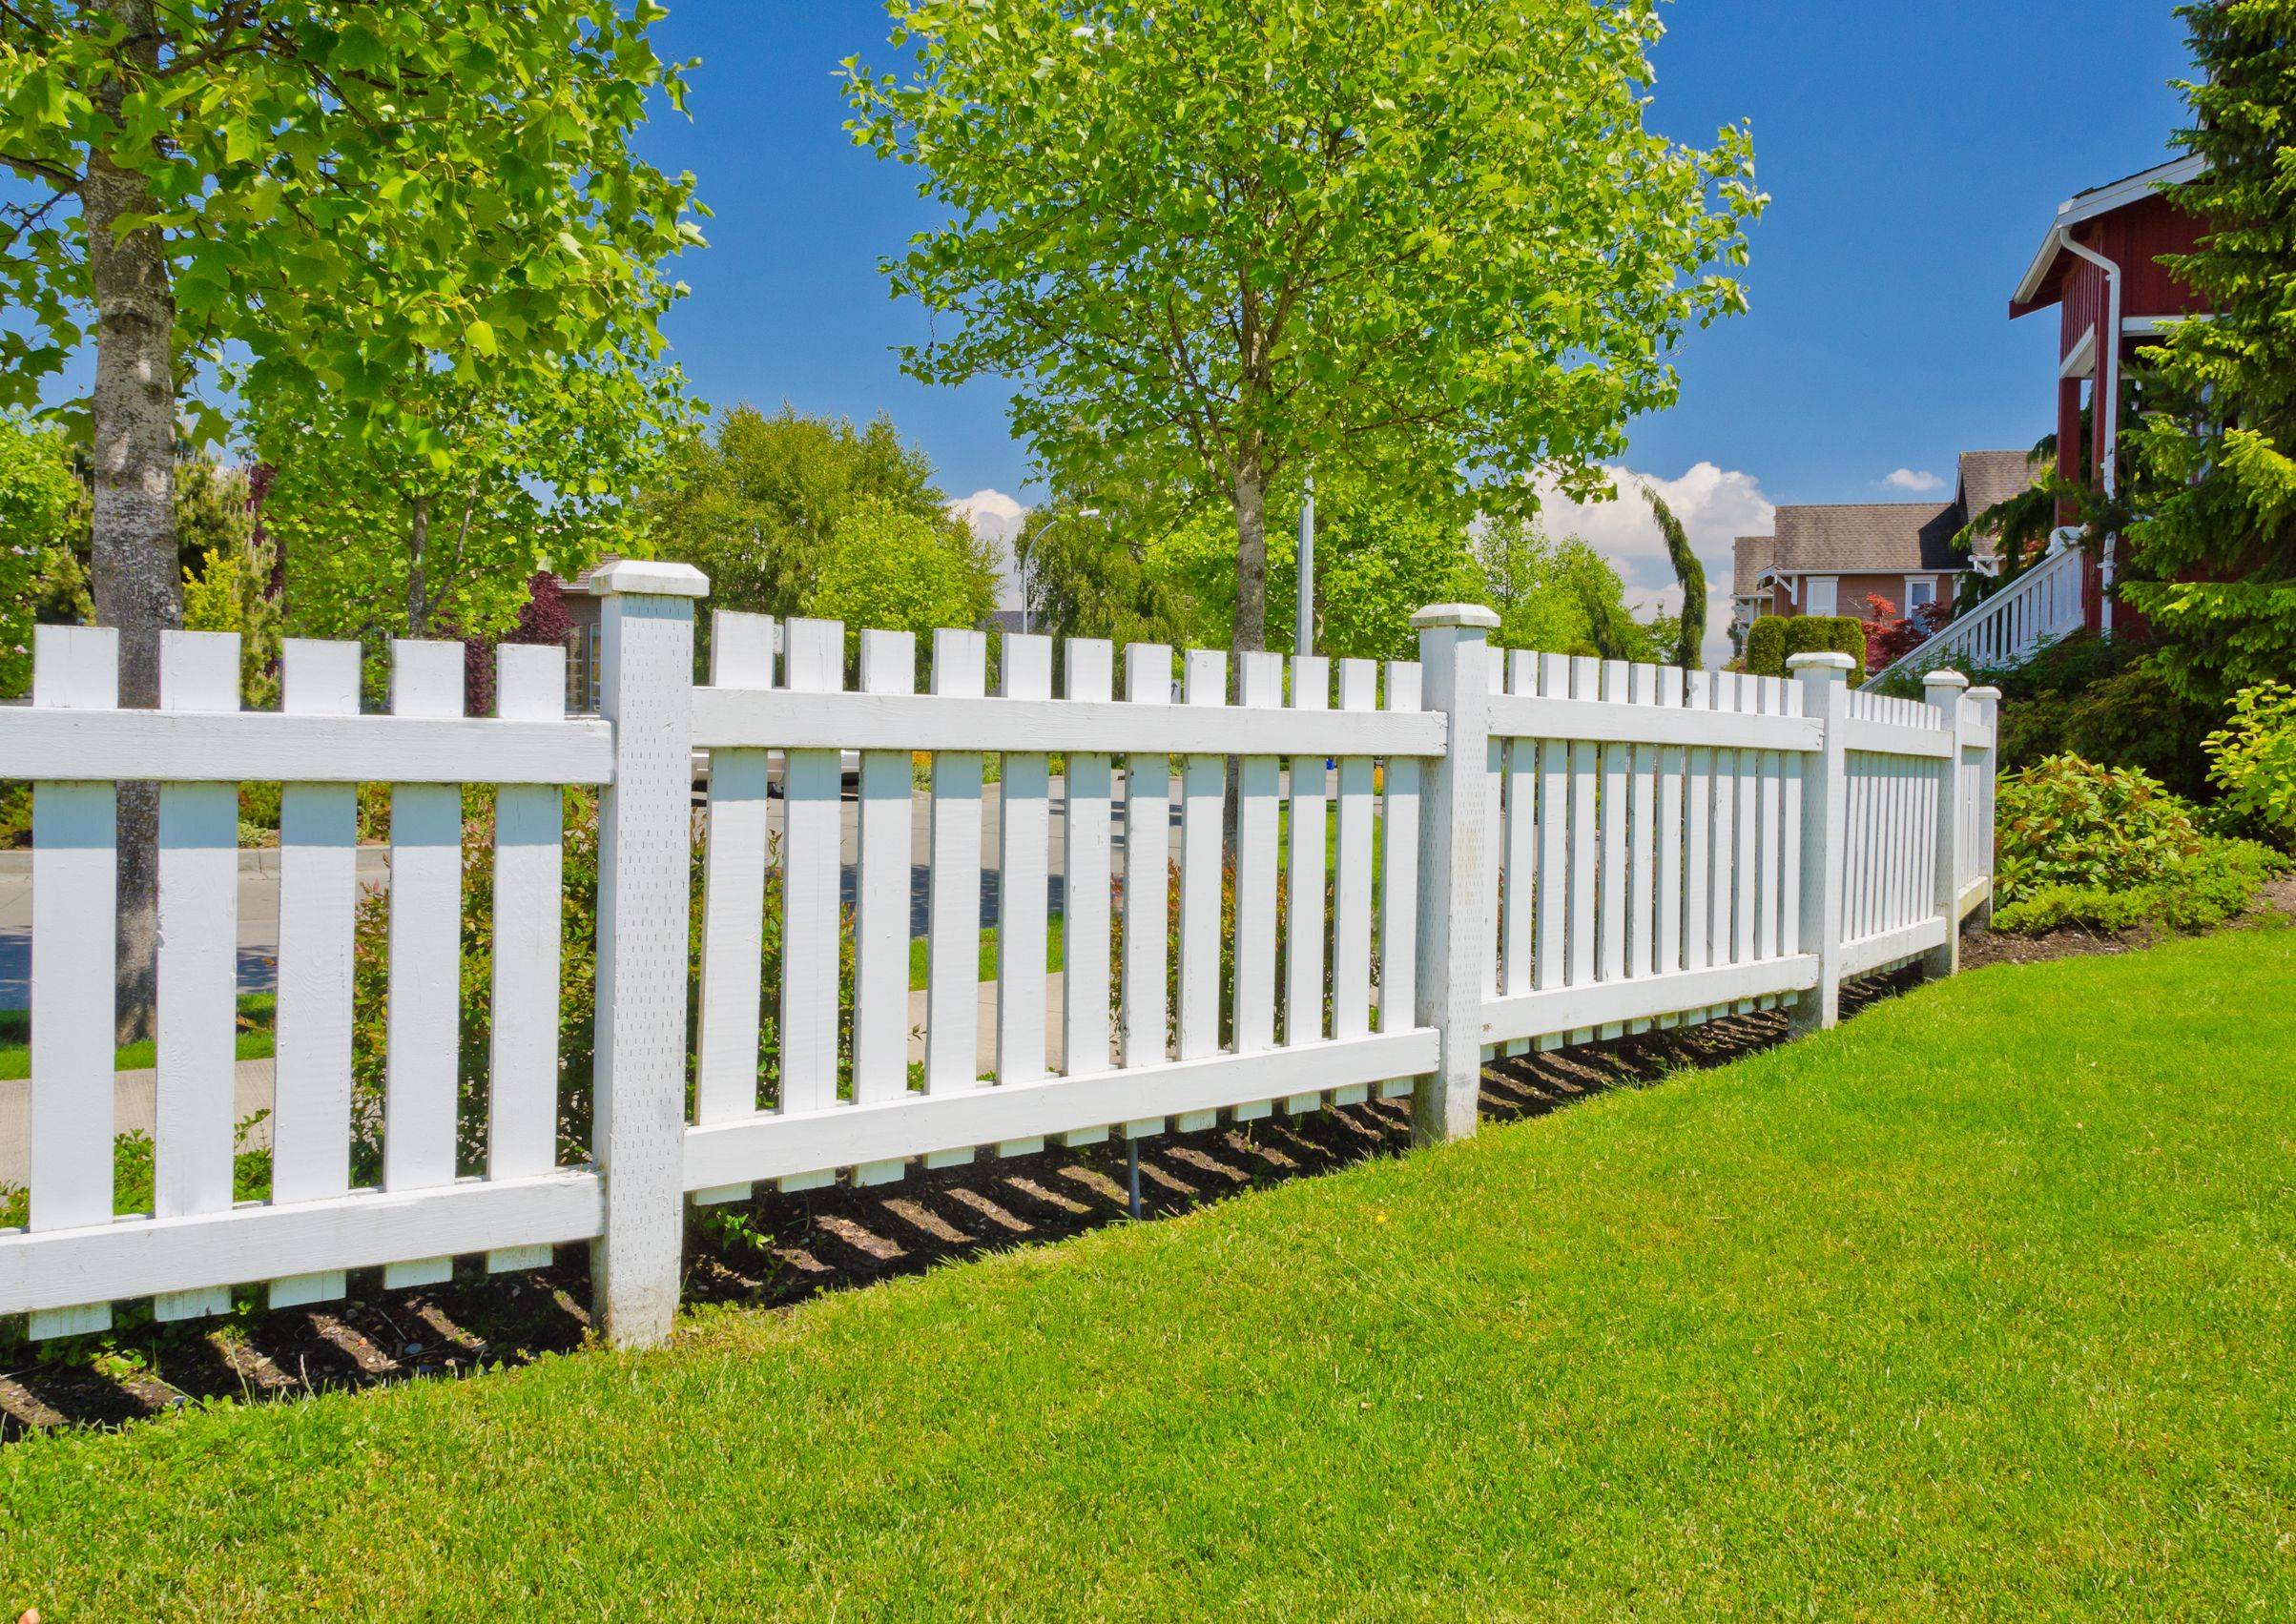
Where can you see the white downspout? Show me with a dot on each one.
(2109, 404)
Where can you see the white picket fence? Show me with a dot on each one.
(1522, 850)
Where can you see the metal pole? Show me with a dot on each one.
(1303, 635)
(1132, 1170)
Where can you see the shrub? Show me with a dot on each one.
(1821, 634)
(2108, 846)
(2214, 886)
(2071, 822)
(2252, 758)
(1766, 647)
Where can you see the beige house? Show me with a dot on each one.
(1828, 559)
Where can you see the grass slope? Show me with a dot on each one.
(1982, 1305)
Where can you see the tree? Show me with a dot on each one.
(755, 506)
(227, 580)
(428, 518)
(334, 192)
(1087, 577)
(1425, 243)
(891, 569)
(2212, 459)
(1557, 597)
(1691, 625)
(38, 497)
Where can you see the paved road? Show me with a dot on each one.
(257, 942)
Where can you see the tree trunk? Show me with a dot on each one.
(1250, 500)
(139, 589)
(418, 544)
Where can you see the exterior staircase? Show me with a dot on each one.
(2034, 611)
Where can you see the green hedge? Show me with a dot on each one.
(1820, 634)
(1766, 647)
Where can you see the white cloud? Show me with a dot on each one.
(1716, 506)
(996, 517)
(1920, 482)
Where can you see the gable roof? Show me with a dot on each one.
(1990, 477)
(1885, 538)
(1879, 537)
(1751, 556)
(2092, 204)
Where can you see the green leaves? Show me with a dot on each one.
(1213, 242)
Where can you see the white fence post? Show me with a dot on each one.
(1988, 702)
(1454, 867)
(645, 832)
(1825, 680)
(1944, 691)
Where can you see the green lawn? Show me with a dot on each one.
(1984, 1305)
(920, 954)
(257, 1013)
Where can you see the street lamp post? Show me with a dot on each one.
(1026, 623)
(1303, 634)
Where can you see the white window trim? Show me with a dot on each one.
(1911, 581)
(1834, 588)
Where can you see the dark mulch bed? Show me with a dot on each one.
(777, 1250)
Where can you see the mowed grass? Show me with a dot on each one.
(1984, 1305)
(258, 1011)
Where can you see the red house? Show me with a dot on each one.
(2100, 266)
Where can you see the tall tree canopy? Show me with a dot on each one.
(1428, 240)
(2213, 461)
(756, 504)
(338, 193)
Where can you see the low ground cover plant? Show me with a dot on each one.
(2109, 848)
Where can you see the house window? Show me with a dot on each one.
(1920, 594)
(1818, 593)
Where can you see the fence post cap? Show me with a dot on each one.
(630, 577)
(1822, 660)
(1471, 616)
(1991, 693)
(1944, 679)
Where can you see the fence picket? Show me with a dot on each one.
(1147, 680)
(1585, 682)
(952, 1028)
(1549, 969)
(1304, 924)
(1520, 897)
(75, 870)
(1399, 877)
(733, 874)
(1023, 843)
(880, 902)
(522, 1069)
(812, 839)
(1698, 836)
(1642, 903)
(426, 956)
(1084, 1037)
(1351, 880)
(1203, 785)
(1616, 814)
(318, 902)
(1672, 764)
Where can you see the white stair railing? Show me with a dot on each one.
(2037, 609)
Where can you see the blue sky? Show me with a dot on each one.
(1914, 150)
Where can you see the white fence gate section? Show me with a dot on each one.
(1470, 853)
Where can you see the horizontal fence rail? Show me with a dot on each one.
(1217, 894)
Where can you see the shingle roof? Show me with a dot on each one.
(1990, 477)
(1876, 537)
(1884, 538)
(1752, 555)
